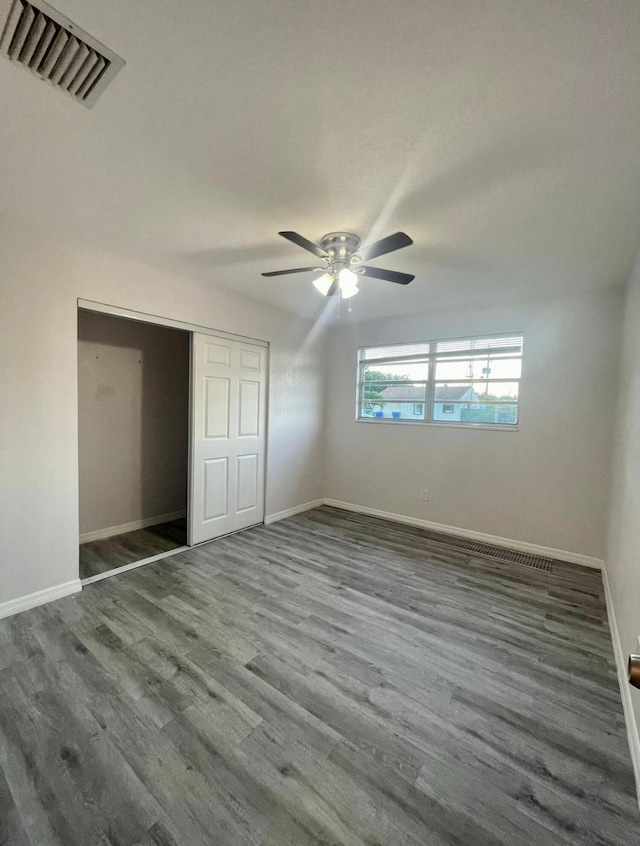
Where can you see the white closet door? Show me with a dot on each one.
(227, 436)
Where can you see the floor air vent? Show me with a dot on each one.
(500, 553)
(48, 44)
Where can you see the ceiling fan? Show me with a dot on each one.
(343, 257)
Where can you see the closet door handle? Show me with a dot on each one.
(634, 670)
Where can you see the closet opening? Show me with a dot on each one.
(133, 421)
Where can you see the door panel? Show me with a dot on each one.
(216, 406)
(216, 485)
(228, 436)
(249, 359)
(217, 354)
(249, 410)
(247, 486)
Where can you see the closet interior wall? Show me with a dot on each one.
(133, 406)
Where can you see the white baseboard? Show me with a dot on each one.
(509, 543)
(110, 531)
(31, 600)
(625, 690)
(297, 509)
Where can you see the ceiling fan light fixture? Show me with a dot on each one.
(323, 283)
(348, 281)
(342, 250)
(347, 277)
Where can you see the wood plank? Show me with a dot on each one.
(327, 679)
(100, 556)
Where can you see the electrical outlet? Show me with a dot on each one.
(424, 494)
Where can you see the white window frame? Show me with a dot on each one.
(430, 356)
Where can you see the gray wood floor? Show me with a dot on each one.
(322, 680)
(107, 554)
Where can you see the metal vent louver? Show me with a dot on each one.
(48, 44)
(499, 553)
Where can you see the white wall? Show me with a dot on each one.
(546, 484)
(623, 554)
(133, 414)
(40, 281)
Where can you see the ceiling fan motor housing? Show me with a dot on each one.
(340, 246)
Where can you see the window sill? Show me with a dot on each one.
(492, 427)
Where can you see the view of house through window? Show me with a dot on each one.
(467, 380)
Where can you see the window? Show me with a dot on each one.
(466, 381)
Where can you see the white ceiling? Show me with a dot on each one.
(502, 135)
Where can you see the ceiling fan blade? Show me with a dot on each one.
(387, 275)
(294, 270)
(304, 243)
(333, 289)
(387, 245)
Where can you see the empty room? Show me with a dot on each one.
(320, 423)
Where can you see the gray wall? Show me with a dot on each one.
(546, 484)
(623, 555)
(133, 413)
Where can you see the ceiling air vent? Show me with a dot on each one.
(56, 50)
